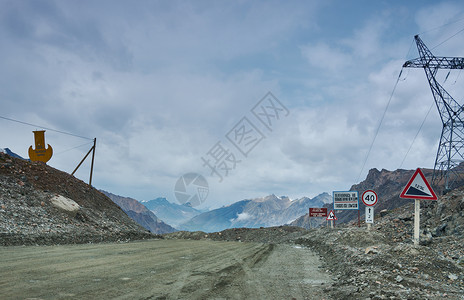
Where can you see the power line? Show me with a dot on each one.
(383, 116)
(51, 129)
(380, 124)
(441, 26)
(391, 96)
(414, 139)
(88, 143)
(448, 39)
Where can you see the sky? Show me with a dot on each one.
(291, 98)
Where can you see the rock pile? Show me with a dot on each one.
(269, 235)
(383, 263)
(42, 205)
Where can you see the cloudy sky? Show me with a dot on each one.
(166, 85)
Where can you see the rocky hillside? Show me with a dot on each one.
(387, 184)
(139, 213)
(383, 263)
(380, 263)
(42, 205)
(9, 152)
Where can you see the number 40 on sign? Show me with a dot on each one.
(369, 198)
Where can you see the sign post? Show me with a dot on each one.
(416, 221)
(418, 188)
(40, 153)
(369, 216)
(345, 200)
(331, 217)
(369, 198)
(317, 212)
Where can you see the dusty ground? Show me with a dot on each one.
(347, 262)
(381, 263)
(370, 265)
(162, 269)
(265, 263)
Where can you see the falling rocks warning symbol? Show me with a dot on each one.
(412, 191)
(331, 216)
(418, 188)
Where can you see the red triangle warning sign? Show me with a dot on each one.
(418, 188)
(331, 216)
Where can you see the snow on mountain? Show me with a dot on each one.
(172, 213)
(259, 212)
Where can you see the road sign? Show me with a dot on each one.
(369, 198)
(331, 216)
(418, 188)
(369, 214)
(40, 153)
(318, 212)
(345, 200)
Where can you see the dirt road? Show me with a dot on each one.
(161, 269)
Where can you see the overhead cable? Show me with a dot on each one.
(51, 129)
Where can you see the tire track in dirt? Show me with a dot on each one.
(157, 269)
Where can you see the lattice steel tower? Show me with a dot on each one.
(451, 147)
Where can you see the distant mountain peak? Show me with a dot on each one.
(264, 211)
(10, 153)
(172, 213)
(271, 197)
(140, 213)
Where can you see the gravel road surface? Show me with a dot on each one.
(162, 269)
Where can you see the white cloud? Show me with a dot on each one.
(159, 83)
(324, 56)
(241, 217)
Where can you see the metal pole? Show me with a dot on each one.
(416, 221)
(81, 161)
(93, 157)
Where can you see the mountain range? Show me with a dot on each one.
(156, 214)
(388, 185)
(171, 213)
(139, 213)
(254, 213)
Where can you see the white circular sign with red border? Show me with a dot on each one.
(369, 198)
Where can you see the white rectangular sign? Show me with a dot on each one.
(345, 200)
(369, 214)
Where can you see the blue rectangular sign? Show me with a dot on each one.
(345, 200)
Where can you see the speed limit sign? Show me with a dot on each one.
(369, 198)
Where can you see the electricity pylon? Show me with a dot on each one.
(451, 147)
